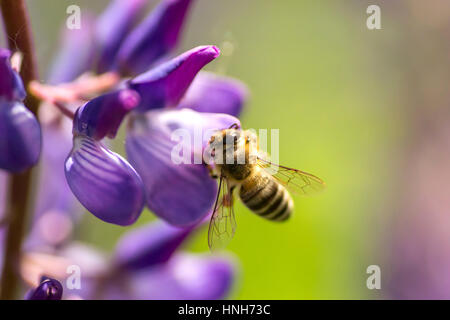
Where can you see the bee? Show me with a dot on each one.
(261, 185)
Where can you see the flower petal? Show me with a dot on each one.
(76, 52)
(103, 115)
(109, 36)
(182, 194)
(20, 142)
(213, 93)
(186, 277)
(156, 36)
(165, 85)
(56, 210)
(49, 289)
(104, 182)
(149, 245)
(11, 86)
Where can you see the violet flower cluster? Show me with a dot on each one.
(158, 93)
(20, 132)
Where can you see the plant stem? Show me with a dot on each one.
(16, 22)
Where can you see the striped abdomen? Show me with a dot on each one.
(266, 197)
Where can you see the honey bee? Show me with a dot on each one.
(262, 185)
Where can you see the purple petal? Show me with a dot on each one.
(49, 289)
(104, 182)
(149, 245)
(11, 86)
(112, 27)
(165, 85)
(213, 93)
(20, 142)
(103, 115)
(57, 210)
(76, 53)
(182, 194)
(156, 36)
(186, 277)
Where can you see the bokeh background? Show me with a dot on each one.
(366, 110)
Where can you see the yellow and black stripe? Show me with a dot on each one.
(266, 197)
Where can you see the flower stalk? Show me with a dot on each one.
(17, 27)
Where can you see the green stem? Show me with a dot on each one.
(16, 22)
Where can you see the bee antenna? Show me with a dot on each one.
(234, 126)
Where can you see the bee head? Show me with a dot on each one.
(225, 139)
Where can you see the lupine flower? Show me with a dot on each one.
(112, 27)
(147, 265)
(102, 180)
(182, 194)
(149, 246)
(20, 132)
(102, 116)
(161, 87)
(117, 197)
(165, 85)
(48, 289)
(11, 86)
(76, 52)
(213, 93)
(57, 210)
(154, 38)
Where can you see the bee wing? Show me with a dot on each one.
(223, 223)
(296, 181)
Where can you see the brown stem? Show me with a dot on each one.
(16, 22)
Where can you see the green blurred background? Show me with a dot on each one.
(337, 91)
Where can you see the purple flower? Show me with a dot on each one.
(11, 86)
(112, 27)
(20, 132)
(104, 182)
(57, 210)
(165, 85)
(76, 53)
(149, 246)
(155, 37)
(213, 93)
(180, 193)
(48, 289)
(184, 277)
(102, 116)
(147, 265)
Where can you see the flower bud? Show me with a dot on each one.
(165, 85)
(155, 37)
